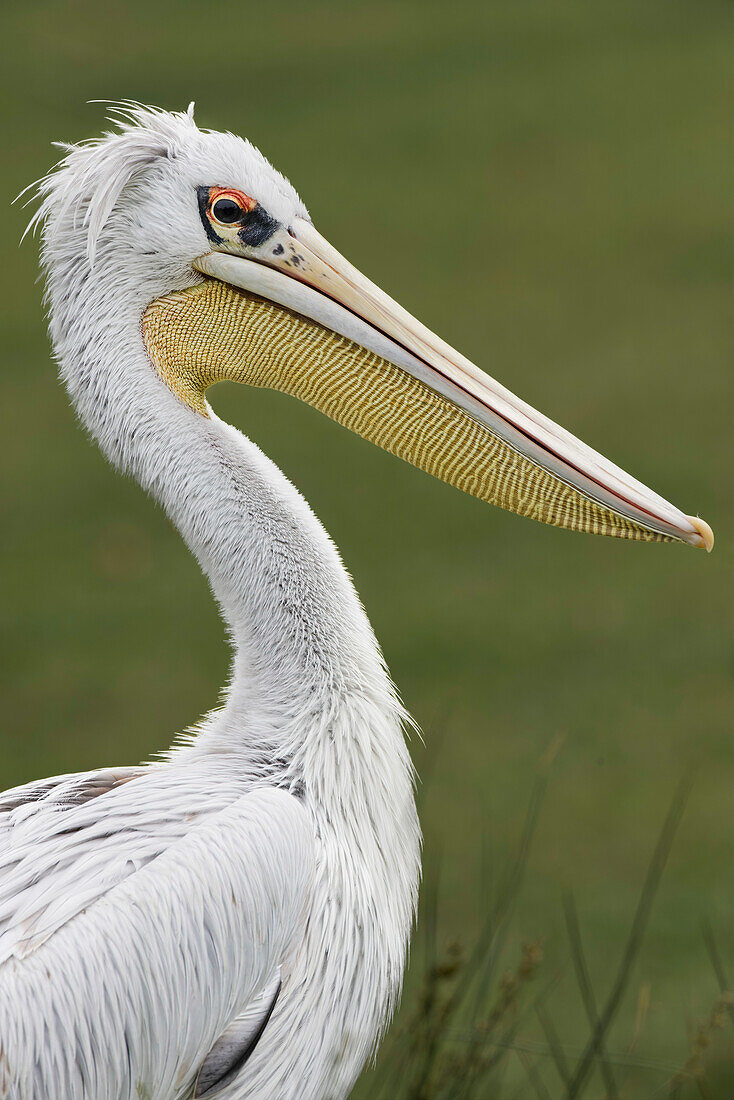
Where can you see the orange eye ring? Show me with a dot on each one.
(227, 206)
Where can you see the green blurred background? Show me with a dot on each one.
(547, 183)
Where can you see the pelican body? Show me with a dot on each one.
(233, 921)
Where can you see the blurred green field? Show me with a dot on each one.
(548, 184)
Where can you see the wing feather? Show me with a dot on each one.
(65, 842)
(125, 996)
(237, 1042)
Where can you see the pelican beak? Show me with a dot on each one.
(333, 338)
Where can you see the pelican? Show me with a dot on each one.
(233, 920)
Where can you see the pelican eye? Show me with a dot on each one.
(226, 211)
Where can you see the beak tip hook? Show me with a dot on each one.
(704, 532)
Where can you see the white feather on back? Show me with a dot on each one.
(128, 996)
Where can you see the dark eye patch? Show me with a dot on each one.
(257, 227)
(254, 226)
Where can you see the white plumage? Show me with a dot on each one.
(143, 910)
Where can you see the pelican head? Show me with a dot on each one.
(233, 282)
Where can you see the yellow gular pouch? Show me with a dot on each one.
(214, 332)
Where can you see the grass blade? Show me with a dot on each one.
(713, 953)
(587, 992)
(554, 1044)
(637, 932)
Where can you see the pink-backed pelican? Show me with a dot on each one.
(233, 921)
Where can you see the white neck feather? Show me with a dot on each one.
(301, 639)
(310, 705)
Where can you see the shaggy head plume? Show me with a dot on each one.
(86, 184)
